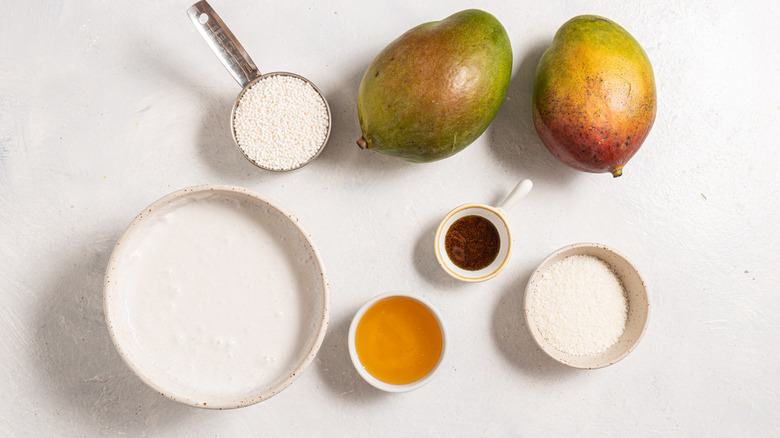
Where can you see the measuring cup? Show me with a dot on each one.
(237, 61)
(497, 217)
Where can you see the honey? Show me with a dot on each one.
(398, 341)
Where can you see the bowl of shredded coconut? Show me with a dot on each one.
(586, 306)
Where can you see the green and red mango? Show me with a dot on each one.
(594, 98)
(435, 89)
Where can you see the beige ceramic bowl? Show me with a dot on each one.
(315, 300)
(638, 306)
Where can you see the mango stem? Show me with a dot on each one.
(616, 172)
(362, 143)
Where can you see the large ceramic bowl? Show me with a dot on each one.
(636, 294)
(216, 297)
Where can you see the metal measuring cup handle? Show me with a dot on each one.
(237, 61)
(223, 43)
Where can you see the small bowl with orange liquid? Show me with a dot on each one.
(397, 342)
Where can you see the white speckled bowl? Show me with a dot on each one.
(638, 306)
(313, 325)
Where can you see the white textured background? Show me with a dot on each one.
(107, 106)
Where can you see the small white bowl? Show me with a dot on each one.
(497, 217)
(636, 294)
(359, 365)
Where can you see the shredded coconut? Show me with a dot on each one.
(281, 122)
(579, 305)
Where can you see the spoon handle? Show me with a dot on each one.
(223, 43)
(518, 193)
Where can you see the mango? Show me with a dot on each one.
(594, 98)
(435, 89)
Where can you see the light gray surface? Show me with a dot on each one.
(105, 107)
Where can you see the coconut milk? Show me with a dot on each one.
(220, 296)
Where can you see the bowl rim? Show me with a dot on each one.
(111, 272)
(373, 381)
(537, 336)
(440, 257)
